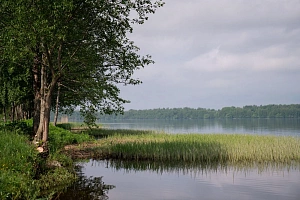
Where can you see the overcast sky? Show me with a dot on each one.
(217, 53)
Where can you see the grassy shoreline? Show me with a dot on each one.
(201, 148)
(23, 173)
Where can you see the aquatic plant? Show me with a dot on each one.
(208, 148)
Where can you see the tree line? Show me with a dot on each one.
(249, 111)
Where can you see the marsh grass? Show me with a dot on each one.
(200, 148)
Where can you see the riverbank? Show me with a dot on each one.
(202, 148)
(24, 174)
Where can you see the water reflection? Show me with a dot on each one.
(249, 126)
(86, 188)
(177, 181)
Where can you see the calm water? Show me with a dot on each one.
(152, 181)
(171, 183)
(249, 126)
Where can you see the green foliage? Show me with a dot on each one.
(15, 86)
(60, 158)
(20, 163)
(17, 167)
(15, 185)
(66, 126)
(81, 45)
(49, 182)
(75, 126)
(60, 137)
(20, 127)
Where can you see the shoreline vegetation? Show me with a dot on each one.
(25, 175)
(191, 148)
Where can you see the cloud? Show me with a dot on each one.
(274, 58)
(213, 61)
(214, 53)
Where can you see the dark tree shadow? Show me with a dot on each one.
(85, 188)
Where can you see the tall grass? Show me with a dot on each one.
(202, 148)
(59, 137)
(23, 173)
(17, 167)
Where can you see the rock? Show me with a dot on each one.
(40, 149)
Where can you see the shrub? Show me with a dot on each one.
(59, 137)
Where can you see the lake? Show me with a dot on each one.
(244, 126)
(114, 180)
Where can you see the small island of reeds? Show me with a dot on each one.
(200, 148)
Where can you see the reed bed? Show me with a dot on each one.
(202, 148)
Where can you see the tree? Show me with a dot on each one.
(80, 44)
(14, 91)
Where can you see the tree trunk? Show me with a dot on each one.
(19, 109)
(47, 105)
(4, 113)
(46, 94)
(43, 130)
(36, 111)
(36, 92)
(39, 132)
(12, 116)
(56, 105)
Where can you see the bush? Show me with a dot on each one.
(59, 137)
(21, 127)
(66, 126)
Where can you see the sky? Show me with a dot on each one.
(218, 53)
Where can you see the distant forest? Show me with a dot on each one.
(252, 111)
